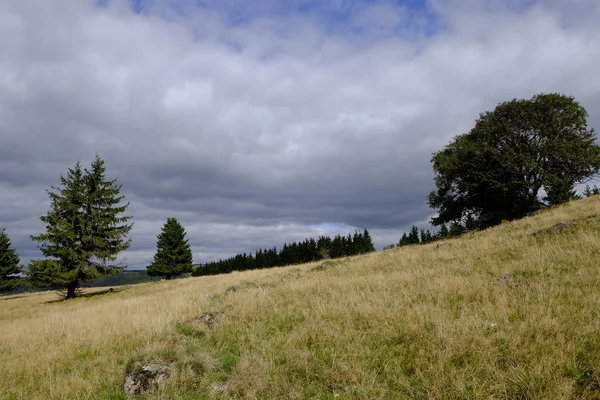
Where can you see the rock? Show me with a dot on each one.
(146, 378)
(218, 388)
(181, 338)
(506, 279)
(210, 318)
(560, 227)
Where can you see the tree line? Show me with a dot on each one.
(424, 236)
(292, 253)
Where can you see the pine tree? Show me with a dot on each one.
(84, 230)
(413, 236)
(367, 242)
(589, 191)
(103, 215)
(174, 255)
(444, 232)
(403, 240)
(9, 264)
(456, 229)
(560, 192)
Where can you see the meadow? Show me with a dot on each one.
(511, 312)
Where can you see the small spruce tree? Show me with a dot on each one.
(367, 242)
(174, 255)
(444, 232)
(9, 264)
(413, 236)
(403, 240)
(560, 192)
(589, 191)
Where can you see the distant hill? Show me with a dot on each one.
(127, 277)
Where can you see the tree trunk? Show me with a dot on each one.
(71, 287)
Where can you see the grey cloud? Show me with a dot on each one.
(253, 134)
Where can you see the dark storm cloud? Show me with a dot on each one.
(270, 124)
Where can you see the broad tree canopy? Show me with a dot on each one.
(497, 171)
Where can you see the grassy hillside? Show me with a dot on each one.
(509, 313)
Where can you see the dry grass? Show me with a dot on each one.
(501, 314)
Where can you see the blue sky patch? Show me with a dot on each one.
(345, 17)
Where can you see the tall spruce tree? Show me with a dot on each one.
(85, 230)
(9, 264)
(174, 255)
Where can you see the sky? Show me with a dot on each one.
(256, 123)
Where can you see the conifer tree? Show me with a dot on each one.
(85, 229)
(413, 236)
(9, 264)
(456, 229)
(403, 240)
(560, 193)
(587, 191)
(443, 232)
(367, 242)
(174, 255)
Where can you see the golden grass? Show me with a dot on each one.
(500, 314)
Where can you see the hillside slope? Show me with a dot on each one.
(508, 313)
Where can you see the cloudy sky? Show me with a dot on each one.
(257, 122)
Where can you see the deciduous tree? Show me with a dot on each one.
(496, 171)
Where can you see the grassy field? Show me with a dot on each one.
(508, 313)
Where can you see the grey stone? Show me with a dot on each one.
(506, 279)
(218, 388)
(560, 227)
(210, 318)
(146, 378)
